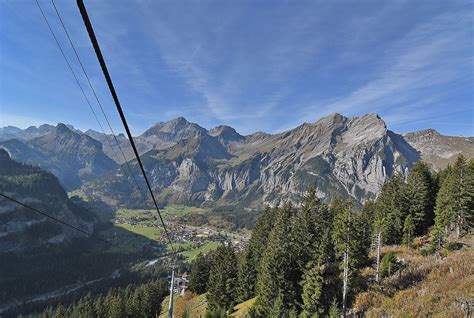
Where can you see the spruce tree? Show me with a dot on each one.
(334, 311)
(392, 208)
(222, 287)
(444, 207)
(454, 200)
(312, 284)
(199, 275)
(469, 193)
(251, 258)
(408, 230)
(329, 271)
(350, 243)
(342, 241)
(420, 195)
(85, 307)
(275, 280)
(306, 233)
(460, 194)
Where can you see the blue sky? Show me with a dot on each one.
(254, 65)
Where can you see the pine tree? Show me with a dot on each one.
(85, 307)
(469, 193)
(460, 193)
(454, 199)
(342, 241)
(116, 307)
(222, 287)
(329, 269)
(250, 262)
(444, 208)
(350, 243)
(305, 232)
(312, 284)
(420, 195)
(277, 266)
(392, 208)
(369, 213)
(278, 308)
(306, 235)
(60, 312)
(408, 230)
(334, 311)
(199, 275)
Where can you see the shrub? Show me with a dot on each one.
(388, 264)
(453, 246)
(427, 251)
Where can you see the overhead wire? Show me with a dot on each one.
(105, 71)
(70, 68)
(81, 88)
(98, 100)
(55, 219)
(88, 103)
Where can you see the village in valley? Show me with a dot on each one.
(143, 231)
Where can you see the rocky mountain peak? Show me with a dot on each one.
(331, 120)
(62, 129)
(425, 133)
(225, 134)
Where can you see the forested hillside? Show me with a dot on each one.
(318, 259)
(24, 230)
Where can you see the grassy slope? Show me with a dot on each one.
(194, 305)
(206, 247)
(242, 309)
(433, 285)
(151, 233)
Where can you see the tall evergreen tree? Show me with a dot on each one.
(408, 230)
(275, 281)
(460, 195)
(469, 192)
(329, 270)
(350, 243)
(308, 225)
(454, 200)
(199, 275)
(222, 287)
(420, 195)
(251, 258)
(312, 284)
(391, 210)
(305, 230)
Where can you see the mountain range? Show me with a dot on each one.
(188, 164)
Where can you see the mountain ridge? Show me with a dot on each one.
(349, 156)
(22, 229)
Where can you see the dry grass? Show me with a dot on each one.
(242, 309)
(428, 286)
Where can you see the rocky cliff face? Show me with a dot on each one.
(191, 165)
(22, 229)
(73, 157)
(340, 155)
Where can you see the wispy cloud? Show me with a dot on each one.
(414, 72)
(254, 65)
(238, 73)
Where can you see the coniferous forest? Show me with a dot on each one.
(306, 260)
